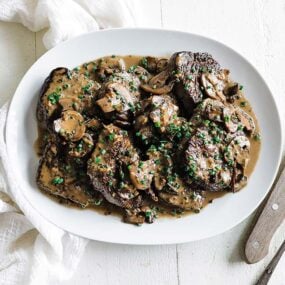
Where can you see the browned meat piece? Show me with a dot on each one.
(60, 179)
(113, 151)
(217, 154)
(204, 164)
(170, 187)
(65, 90)
(186, 69)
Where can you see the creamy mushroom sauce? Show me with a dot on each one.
(73, 92)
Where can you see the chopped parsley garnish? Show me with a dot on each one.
(97, 159)
(86, 88)
(216, 140)
(53, 98)
(57, 180)
(240, 127)
(79, 147)
(143, 62)
(227, 119)
(240, 87)
(157, 124)
(257, 137)
(132, 68)
(98, 202)
(157, 161)
(201, 136)
(230, 162)
(243, 104)
(111, 136)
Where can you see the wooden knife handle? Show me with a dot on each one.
(270, 268)
(270, 219)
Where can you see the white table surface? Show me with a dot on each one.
(255, 29)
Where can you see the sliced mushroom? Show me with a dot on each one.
(149, 63)
(70, 126)
(141, 174)
(213, 109)
(246, 120)
(117, 98)
(231, 121)
(158, 85)
(161, 64)
(231, 89)
(81, 148)
(214, 84)
(110, 65)
(141, 73)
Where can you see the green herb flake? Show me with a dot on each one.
(227, 119)
(216, 140)
(57, 180)
(257, 137)
(143, 62)
(157, 124)
(102, 151)
(243, 104)
(98, 202)
(97, 159)
(111, 136)
(53, 98)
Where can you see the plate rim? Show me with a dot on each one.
(177, 240)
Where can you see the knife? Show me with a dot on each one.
(270, 219)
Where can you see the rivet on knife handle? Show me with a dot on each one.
(272, 216)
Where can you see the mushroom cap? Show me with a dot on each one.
(70, 126)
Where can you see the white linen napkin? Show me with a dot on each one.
(32, 250)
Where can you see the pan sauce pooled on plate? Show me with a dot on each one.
(145, 135)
